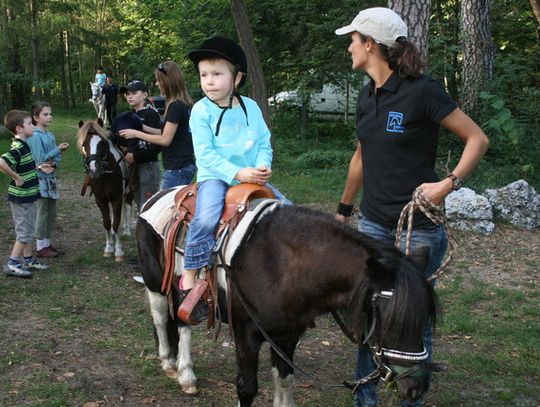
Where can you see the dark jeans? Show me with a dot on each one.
(111, 112)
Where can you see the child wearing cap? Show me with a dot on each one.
(23, 192)
(174, 135)
(232, 145)
(399, 114)
(141, 155)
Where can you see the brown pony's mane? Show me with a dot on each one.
(90, 127)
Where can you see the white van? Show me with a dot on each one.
(330, 100)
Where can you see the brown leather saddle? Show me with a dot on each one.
(237, 200)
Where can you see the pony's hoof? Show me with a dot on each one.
(171, 373)
(107, 254)
(118, 258)
(190, 389)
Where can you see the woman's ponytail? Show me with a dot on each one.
(404, 58)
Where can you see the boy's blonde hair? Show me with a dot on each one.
(15, 118)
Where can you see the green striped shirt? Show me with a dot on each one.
(20, 159)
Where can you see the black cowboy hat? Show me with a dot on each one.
(221, 47)
(126, 120)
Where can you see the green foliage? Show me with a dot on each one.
(502, 126)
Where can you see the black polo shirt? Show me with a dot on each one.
(398, 129)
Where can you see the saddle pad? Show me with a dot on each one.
(160, 215)
(242, 231)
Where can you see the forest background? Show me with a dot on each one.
(486, 53)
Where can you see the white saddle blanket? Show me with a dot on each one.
(160, 215)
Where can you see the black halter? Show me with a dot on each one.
(389, 372)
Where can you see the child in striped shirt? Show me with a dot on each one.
(23, 192)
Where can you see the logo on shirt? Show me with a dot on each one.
(394, 122)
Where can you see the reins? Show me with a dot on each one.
(433, 212)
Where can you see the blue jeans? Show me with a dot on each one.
(201, 238)
(175, 178)
(436, 240)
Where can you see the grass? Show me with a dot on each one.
(87, 318)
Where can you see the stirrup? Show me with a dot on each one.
(193, 309)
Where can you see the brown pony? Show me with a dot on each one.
(106, 175)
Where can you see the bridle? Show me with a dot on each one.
(388, 372)
(103, 162)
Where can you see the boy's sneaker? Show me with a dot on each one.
(17, 270)
(36, 265)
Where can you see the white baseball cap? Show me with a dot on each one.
(379, 23)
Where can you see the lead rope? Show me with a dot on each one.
(435, 213)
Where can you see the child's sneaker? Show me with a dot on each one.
(17, 270)
(36, 265)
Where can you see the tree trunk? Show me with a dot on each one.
(416, 15)
(70, 73)
(478, 51)
(35, 48)
(63, 81)
(255, 72)
(535, 5)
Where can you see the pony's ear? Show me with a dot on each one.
(100, 122)
(419, 257)
(378, 269)
(81, 123)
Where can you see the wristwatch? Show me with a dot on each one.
(455, 180)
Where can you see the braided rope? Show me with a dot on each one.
(435, 213)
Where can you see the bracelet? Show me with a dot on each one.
(344, 209)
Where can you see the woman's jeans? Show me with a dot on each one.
(175, 178)
(436, 240)
(201, 238)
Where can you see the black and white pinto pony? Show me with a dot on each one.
(297, 265)
(107, 174)
(98, 100)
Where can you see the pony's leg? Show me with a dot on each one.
(186, 376)
(159, 310)
(106, 221)
(248, 343)
(283, 376)
(109, 243)
(117, 218)
(126, 218)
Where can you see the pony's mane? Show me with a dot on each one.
(90, 127)
(413, 303)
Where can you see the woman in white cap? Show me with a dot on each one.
(399, 114)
